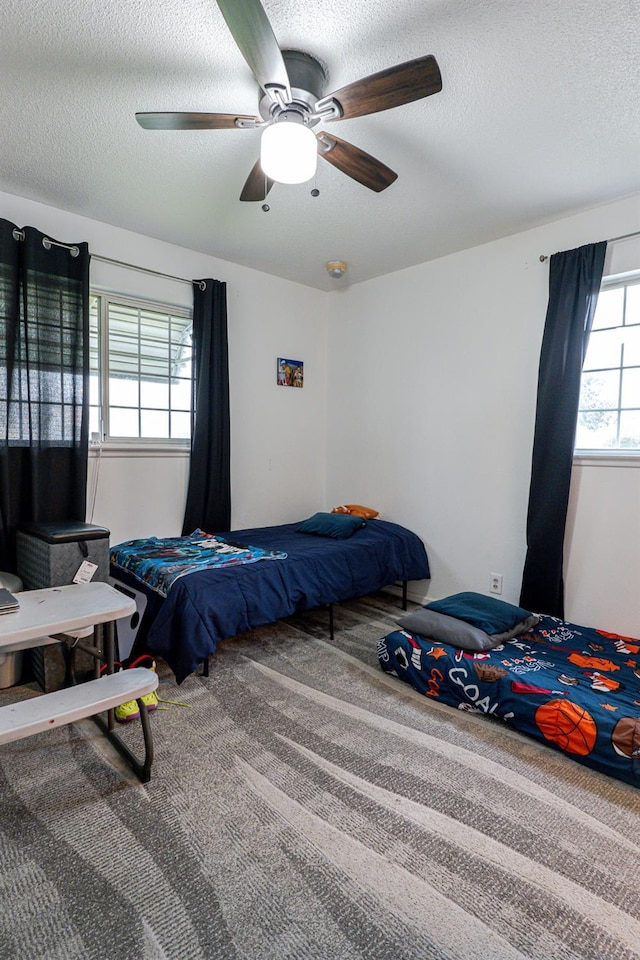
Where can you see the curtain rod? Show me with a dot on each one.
(47, 243)
(156, 273)
(625, 236)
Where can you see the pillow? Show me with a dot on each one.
(356, 510)
(485, 613)
(444, 629)
(336, 525)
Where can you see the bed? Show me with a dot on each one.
(303, 571)
(574, 688)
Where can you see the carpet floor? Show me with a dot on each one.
(305, 805)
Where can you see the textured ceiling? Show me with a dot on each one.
(539, 116)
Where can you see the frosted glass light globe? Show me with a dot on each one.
(288, 152)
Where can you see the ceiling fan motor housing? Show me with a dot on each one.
(307, 78)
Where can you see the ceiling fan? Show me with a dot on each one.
(293, 101)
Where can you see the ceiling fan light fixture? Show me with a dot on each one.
(289, 152)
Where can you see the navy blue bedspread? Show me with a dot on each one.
(575, 688)
(203, 608)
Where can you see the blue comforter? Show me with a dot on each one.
(203, 608)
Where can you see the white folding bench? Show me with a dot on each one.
(43, 614)
(37, 714)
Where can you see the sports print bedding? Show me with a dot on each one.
(574, 688)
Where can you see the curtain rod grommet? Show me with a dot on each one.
(47, 244)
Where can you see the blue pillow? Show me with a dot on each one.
(485, 613)
(336, 525)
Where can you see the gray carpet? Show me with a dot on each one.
(305, 805)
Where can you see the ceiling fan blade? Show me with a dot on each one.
(393, 87)
(256, 40)
(192, 121)
(355, 162)
(257, 185)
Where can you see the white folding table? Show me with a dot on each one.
(62, 613)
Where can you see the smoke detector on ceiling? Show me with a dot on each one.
(336, 268)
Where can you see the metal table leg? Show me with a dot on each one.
(105, 640)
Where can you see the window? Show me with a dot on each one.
(140, 370)
(609, 412)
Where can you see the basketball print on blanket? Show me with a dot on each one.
(567, 725)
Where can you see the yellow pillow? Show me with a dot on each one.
(356, 510)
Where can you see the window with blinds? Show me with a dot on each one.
(140, 362)
(609, 415)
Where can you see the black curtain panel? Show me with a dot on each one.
(209, 493)
(44, 381)
(574, 283)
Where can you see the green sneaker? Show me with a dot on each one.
(128, 711)
(150, 700)
(125, 712)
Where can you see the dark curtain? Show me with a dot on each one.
(574, 282)
(44, 382)
(209, 493)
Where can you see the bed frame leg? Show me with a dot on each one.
(331, 620)
(205, 668)
(404, 594)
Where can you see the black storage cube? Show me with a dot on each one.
(49, 553)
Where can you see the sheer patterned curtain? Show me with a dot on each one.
(209, 493)
(44, 377)
(574, 282)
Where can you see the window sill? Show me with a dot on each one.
(595, 458)
(150, 448)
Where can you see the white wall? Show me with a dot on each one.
(431, 404)
(429, 377)
(277, 435)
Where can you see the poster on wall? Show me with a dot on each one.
(290, 372)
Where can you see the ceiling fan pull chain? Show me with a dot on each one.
(265, 206)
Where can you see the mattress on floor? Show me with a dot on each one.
(574, 688)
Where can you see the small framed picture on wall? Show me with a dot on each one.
(290, 372)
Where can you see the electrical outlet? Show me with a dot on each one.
(496, 583)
